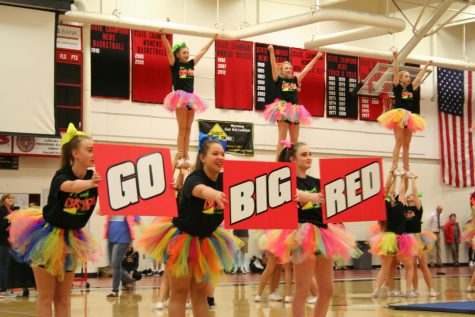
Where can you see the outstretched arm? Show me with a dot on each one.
(203, 51)
(168, 48)
(402, 192)
(395, 69)
(273, 63)
(415, 194)
(309, 67)
(417, 81)
(389, 186)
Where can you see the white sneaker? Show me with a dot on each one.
(471, 264)
(416, 292)
(159, 306)
(275, 297)
(470, 289)
(244, 270)
(410, 294)
(311, 300)
(288, 299)
(258, 298)
(394, 293)
(188, 305)
(433, 293)
(399, 172)
(375, 294)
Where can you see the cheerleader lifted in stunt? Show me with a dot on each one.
(401, 119)
(286, 110)
(182, 99)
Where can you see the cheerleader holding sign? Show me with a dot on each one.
(401, 119)
(54, 241)
(286, 109)
(182, 100)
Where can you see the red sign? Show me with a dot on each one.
(135, 180)
(260, 195)
(370, 108)
(312, 93)
(151, 76)
(233, 74)
(353, 189)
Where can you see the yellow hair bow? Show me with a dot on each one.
(71, 133)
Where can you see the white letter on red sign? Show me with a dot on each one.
(261, 194)
(335, 198)
(122, 185)
(353, 183)
(280, 191)
(370, 180)
(241, 201)
(151, 175)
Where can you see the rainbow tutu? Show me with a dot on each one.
(389, 243)
(180, 98)
(402, 118)
(308, 241)
(39, 243)
(184, 254)
(468, 234)
(281, 110)
(426, 240)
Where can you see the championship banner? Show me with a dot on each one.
(238, 135)
(233, 74)
(370, 108)
(151, 76)
(353, 189)
(136, 180)
(265, 88)
(342, 77)
(260, 195)
(312, 93)
(109, 62)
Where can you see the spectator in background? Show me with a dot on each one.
(452, 237)
(6, 207)
(119, 231)
(434, 225)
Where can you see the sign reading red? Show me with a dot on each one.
(260, 194)
(353, 189)
(135, 180)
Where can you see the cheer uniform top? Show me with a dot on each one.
(413, 219)
(287, 89)
(196, 216)
(183, 75)
(310, 212)
(69, 210)
(404, 97)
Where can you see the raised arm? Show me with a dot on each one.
(389, 186)
(309, 67)
(402, 192)
(273, 63)
(415, 194)
(203, 51)
(79, 185)
(395, 69)
(168, 48)
(417, 81)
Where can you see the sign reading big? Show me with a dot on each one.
(135, 180)
(260, 195)
(353, 190)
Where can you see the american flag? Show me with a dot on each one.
(456, 116)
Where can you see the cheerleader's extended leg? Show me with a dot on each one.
(294, 131)
(303, 284)
(52, 292)
(266, 275)
(179, 288)
(399, 140)
(288, 276)
(190, 116)
(409, 274)
(383, 274)
(198, 293)
(184, 117)
(405, 148)
(283, 128)
(422, 259)
(324, 275)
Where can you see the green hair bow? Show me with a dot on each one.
(71, 133)
(178, 46)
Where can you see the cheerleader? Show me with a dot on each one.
(401, 119)
(314, 245)
(193, 247)
(425, 239)
(285, 110)
(182, 99)
(54, 241)
(469, 236)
